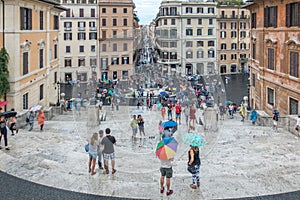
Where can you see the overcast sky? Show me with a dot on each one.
(147, 10)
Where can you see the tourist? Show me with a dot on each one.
(243, 111)
(166, 172)
(186, 112)
(12, 123)
(221, 111)
(298, 125)
(194, 166)
(3, 131)
(231, 111)
(31, 116)
(93, 152)
(41, 119)
(108, 152)
(192, 117)
(100, 150)
(275, 119)
(140, 122)
(178, 113)
(169, 111)
(163, 112)
(133, 125)
(253, 116)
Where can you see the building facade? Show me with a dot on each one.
(275, 49)
(233, 39)
(116, 42)
(31, 38)
(79, 41)
(186, 37)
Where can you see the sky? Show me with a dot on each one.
(146, 10)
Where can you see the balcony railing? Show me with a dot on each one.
(93, 28)
(81, 28)
(68, 28)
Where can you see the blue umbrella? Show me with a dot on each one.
(193, 139)
(163, 93)
(137, 112)
(169, 123)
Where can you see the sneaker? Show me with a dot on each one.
(169, 192)
(162, 190)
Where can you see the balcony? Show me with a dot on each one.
(93, 28)
(243, 60)
(81, 28)
(168, 61)
(67, 28)
(222, 17)
(233, 16)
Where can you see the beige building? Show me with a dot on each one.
(79, 41)
(233, 39)
(117, 33)
(31, 37)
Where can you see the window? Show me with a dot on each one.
(211, 10)
(253, 20)
(243, 45)
(93, 12)
(233, 56)
(188, 21)
(223, 25)
(270, 96)
(211, 53)
(41, 20)
(210, 21)
(103, 10)
(68, 13)
(294, 64)
(114, 10)
(125, 74)
(67, 26)
(173, 22)
(270, 16)
(124, 10)
(223, 46)
(103, 34)
(233, 46)
(271, 58)
(68, 49)
(41, 92)
(223, 34)
(173, 11)
(211, 43)
(81, 48)
(188, 10)
(125, 60)
(115, 61)
(68, 62)
(93, 62)
(25, 63)
(173, 33)
(92, 26)
(81, 12)
(115, 47)
(81, 62)
(200, 43)
(199, 21)
(125, 47)
(233, 34)
(104, 47)
(233, 25)
(253, 80)
(200, 53)
(41, 58)
(189, 32)
(55, 51)
(210, 31)
(189, 44)
(199, 31)
(81, 26)
(81, 36)
(26, 18)
(233, 68)
(173, 44)
(254, 51)
(125, 22)
(103, 22)
(223, 57)
(55, 77)
(93, 48)
(25, 101)
(114, 34)
(189, 54)
(293, 106)
(199, 10)
(293, 14)
(104, 62)
(114, 22)
(243, 25)
(67, 36)
(243, 34)
(93, 35)
(165, 22)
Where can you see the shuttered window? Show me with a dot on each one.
(294, 64)
(26, 18)
(25, 63)
(270, 16)
(271, 58)
(41, 20)
(293, 14)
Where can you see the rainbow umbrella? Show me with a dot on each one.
(166, 148)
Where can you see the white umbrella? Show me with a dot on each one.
(36, 108)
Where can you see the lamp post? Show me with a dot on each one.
(58, 90)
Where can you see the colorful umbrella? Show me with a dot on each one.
(228, 102)
(3, 103)
(166, 148)
(193, 139)
(169, 123)
(36, 108)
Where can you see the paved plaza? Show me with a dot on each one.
(239, 160)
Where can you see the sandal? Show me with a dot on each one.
(113, 171)
(7, 148)
(193, 186)
(162, 190)
(93, 173)
(169, 192)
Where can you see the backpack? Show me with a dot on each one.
(27, 119)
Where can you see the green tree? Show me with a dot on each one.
(4, 84)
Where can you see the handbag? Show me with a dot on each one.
(192, 169)
(86, 147)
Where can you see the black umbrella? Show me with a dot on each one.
(9, 114)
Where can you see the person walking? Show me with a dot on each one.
(163, 112)
(93, 152)
(3, 131)
(166, 173)
(12, 124)
(298, 125)
(169, 111)
(194, 166)
(231, 111)
(275, 119)
(221, 111)
(31, 117)
(178, 113)
(140, 122)
(133, 125)
(108, 152)
(41, 119)
(192, 117)
(243, 111)
(253, 116)
(186, 112)
(100, 150)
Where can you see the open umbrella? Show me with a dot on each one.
(163, 93)
(137, 112)
(169, 123)
(228, 102)
(193, 139)
(3, 103)
(36, 108)
(166, 148)
(9, 114)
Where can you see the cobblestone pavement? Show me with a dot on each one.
(240, 160)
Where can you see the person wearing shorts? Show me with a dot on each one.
(166, 172)
(133, 125)
(108, 152)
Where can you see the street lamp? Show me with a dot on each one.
(58, 88)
